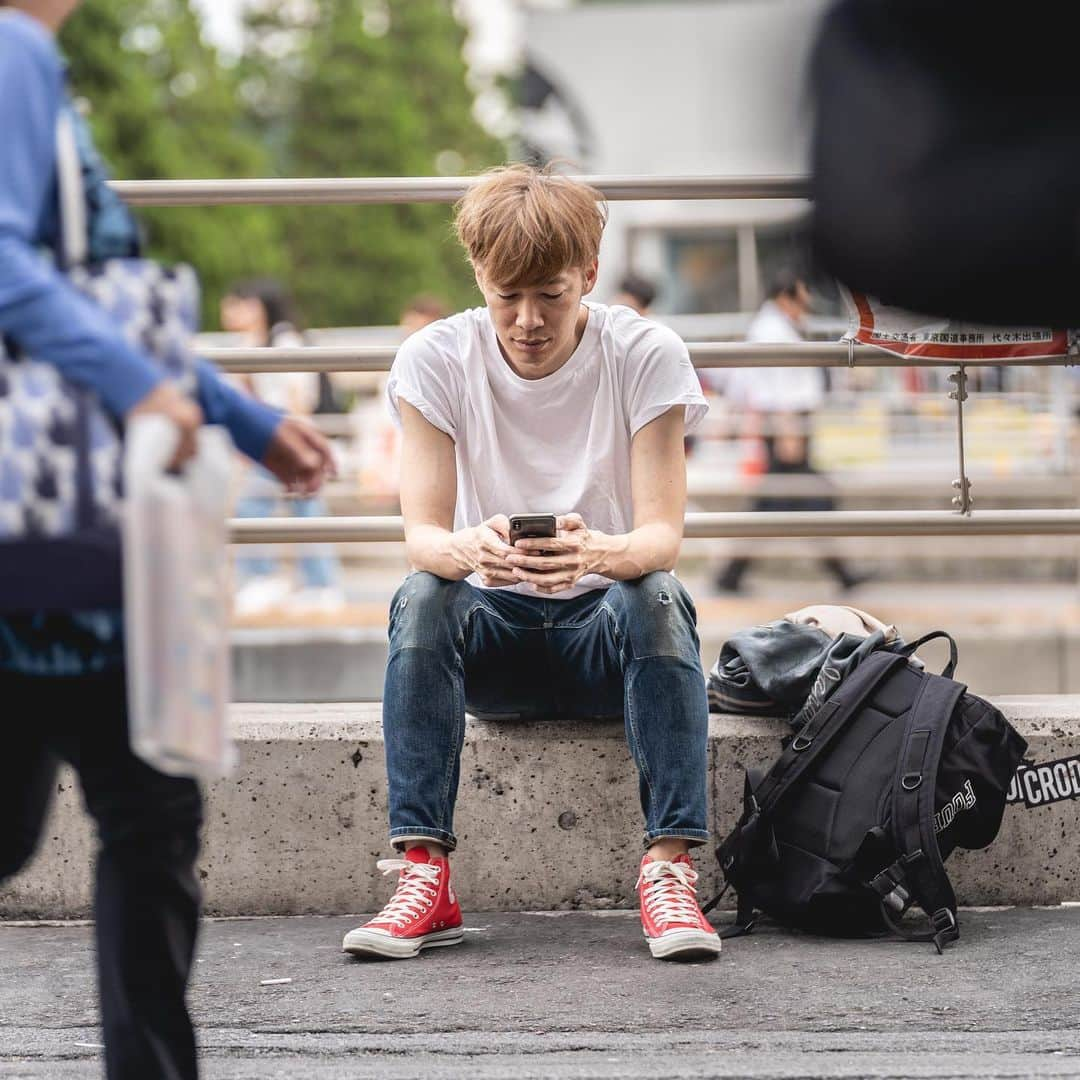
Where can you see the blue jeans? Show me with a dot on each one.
(630, 650)
(318, 564)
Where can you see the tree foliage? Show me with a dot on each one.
(162, 106)
(382, 92)
(323, 88)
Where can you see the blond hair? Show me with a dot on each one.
(523, 226)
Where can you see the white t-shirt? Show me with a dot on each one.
(290, 391)
(560, 444)
(775, 389)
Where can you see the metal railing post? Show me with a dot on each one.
(963, 501)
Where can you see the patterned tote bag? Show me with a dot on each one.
(60, 451)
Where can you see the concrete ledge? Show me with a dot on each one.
(548, 817)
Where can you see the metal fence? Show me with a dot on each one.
(704, 355)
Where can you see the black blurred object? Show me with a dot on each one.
(946, 157)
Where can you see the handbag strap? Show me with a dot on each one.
(74, 235)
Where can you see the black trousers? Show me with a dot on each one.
(147, 896)
(731, 575)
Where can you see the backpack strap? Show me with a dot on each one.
(73, 242)
(920, 870)
(910, 648)
(823, 726)
(746, 917)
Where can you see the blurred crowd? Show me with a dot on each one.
(765, 418)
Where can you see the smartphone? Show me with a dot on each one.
(527, 525)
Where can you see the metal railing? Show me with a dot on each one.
(711, 354)
(381, 190)
(386, 528)
(725, 354)
(445, 189)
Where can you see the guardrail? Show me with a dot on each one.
(446, 189)
(712, 354)
(381, 190)
(724, 354)
(386, 528)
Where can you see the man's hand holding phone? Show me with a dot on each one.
(484, 550)
(555, 562)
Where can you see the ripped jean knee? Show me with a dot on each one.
(427, 612)
(655, 616)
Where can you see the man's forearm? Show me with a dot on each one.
(625, 556)
(429, 548)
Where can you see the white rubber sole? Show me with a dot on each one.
(361, 942)
(685, 945)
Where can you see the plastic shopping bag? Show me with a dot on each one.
(176, 600)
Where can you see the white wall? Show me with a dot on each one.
(708, 87)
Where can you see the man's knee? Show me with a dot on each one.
(426, 610)
(656, 615)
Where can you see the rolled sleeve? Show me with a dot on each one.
(421, 376)
(662, 377)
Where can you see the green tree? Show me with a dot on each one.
(163, 106)
(382, 91)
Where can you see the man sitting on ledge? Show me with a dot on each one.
(541, 403)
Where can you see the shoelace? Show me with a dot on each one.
(417, 889)
(668, 890)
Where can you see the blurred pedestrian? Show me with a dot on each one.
(421, 311)
(904, 89)
(62, 676)
(377, 438)
(779, 404)
(637, 293)
(262, 312)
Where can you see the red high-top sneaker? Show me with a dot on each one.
(423, 911)
(673, 924)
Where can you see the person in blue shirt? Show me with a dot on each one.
(62, 675)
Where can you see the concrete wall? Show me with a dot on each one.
(548, 817)
(348, 665)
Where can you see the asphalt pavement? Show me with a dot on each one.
(576, 995)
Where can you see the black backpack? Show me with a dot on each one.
(850, 827)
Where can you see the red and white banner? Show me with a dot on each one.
(908, 334)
